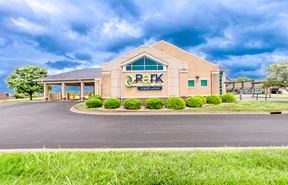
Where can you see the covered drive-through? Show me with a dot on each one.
(79, 78)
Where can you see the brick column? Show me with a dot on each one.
(82, 91)
(46, 91)
(63, 90)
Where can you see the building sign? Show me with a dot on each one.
(145, 82)
(253, 91)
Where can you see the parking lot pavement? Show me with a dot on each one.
(52, 125)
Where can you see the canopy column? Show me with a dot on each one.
(63, 91)
(82, 91)
(46, 91)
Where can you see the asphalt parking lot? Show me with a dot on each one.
(52, 125)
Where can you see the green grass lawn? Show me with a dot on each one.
(23, 100)
(258, 166)
(245, 106)
(240, 106)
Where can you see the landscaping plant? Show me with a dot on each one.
(203, 99)
(214, 99)
(154, 103)
(93, 103)
(194, 101)
(229, 98)
(132, 104)
(96, 97)
(112, 103)
(175, 103)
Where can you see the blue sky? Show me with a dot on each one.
(242, 36)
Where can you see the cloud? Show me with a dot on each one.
(83, 56)
(28, 27)
(242, 36)
(62, 64)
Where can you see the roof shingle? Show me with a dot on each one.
(81, 74)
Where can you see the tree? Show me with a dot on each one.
(277, 75)
(241, 79)
(21, 79)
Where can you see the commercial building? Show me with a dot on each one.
(160, 70)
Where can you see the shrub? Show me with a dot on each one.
(112, 103)
(95, 97)
(194, 101)
(229, 98)
(93, 103)
(132, 104)
(154, 103)
(175, 103)
(214, 99)
(203, 99)
(19, 96)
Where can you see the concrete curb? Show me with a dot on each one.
(172, 149)
(131, 113)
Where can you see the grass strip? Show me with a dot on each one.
(251, 167)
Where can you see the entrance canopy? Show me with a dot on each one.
(81, 77)
(76, 75)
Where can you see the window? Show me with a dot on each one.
(204, 83)
(191, 83)
(144, 64)
(220, 82)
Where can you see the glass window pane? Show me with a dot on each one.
(139, 62)
(150, 62)
(203, 83)
(137, 68)
(191, 83)
(160, 67)
(128, 68)
(150, 67)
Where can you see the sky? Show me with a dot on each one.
(60, 35)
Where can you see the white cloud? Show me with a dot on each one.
(116, 27)
(250, 65)
(43, 6)
(27, 26)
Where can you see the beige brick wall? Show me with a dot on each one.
(183, 78)
(215, 88)
(106, 84)
(198, 69)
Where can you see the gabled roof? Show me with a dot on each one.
(142, 50)
(144, 54)
(81, 74)
(177, 52)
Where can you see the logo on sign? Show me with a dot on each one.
(145, 81)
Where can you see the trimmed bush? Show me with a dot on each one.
(203, 99)
(95, 97)
(229, 98)
(194, 101)
(112, 103)
(214, 99)
(154, 103)
(132, 104)
(93, 103)
(175, 103)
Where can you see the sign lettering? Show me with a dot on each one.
(145, 81)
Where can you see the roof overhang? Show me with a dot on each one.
(146, 55)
